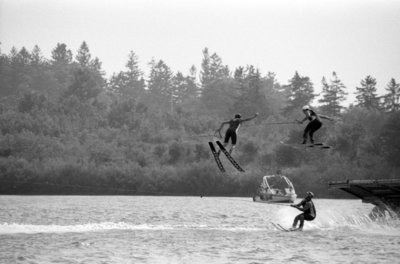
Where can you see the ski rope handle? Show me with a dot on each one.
(217, 134)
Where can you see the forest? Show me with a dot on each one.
(67, 128)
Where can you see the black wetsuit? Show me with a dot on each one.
(308, 214)
(231, 132)
(314, 125)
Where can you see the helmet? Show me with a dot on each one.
(238, 116)
(310, 194)
(306, 107)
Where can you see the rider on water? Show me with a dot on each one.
(314, 124)
(231, 132)
(309, 212)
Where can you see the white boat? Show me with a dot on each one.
(275, 189)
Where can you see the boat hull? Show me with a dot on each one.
(275, 199)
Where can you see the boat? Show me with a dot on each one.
(275, 189)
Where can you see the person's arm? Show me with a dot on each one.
(307, 113)
(298, 205)
(250, 118)
(325, 117)
(305, 207)
(222, 125)
(304, 119)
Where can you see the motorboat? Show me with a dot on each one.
(275, 189)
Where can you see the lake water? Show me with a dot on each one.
(148, 229)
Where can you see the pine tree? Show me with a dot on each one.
(392, 97)
(251, 97)
(179, 88)
(129, 83)
(205, 73)
(160, 85)
(135, 81)
(300, 91)
(194, 89)
(61, 55)
(212, 69)
(83, 57)
(333, 95)
(95, 65)
(37, 57)
(85, 84)
(366, 94)
(217, 91)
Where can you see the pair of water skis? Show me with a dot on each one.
(227, 154)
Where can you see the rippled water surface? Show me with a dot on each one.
(142, 229)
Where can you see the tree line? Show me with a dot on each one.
(68, 129)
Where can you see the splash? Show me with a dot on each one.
(357, 221)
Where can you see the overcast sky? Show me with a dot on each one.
(354, 38)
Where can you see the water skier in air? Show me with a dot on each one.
(231, 132)
(309, 212)
(314, 124)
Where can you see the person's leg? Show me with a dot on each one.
(306, 132)
(306, 217)
(298, 218)
(228, 135)
(314, 126)
(233, 140)
(301, 222)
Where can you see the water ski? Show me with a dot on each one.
(314, 145)
(281, 228)
(229, 157)
(216, 156)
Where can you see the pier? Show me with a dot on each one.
(384, 194)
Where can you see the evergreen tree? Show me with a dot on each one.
(366, 94)
(17, 75)
(83, 57)
(193, 89)
(85, 84)
(251, 97)
(24, 57)
(180, 88)
(5, 75)
(205, 73)
(333, 95)
(217, 87)
(95, 65)
(61, 61)
(129, 83)
(300, 92)
(392, 97)
(212, 69)
(37, 57)
(135, 80)
(160, 86)
(184, 87)
(61, 55)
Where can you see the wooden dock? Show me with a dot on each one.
(378, 192)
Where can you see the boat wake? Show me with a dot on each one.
(108, 226)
